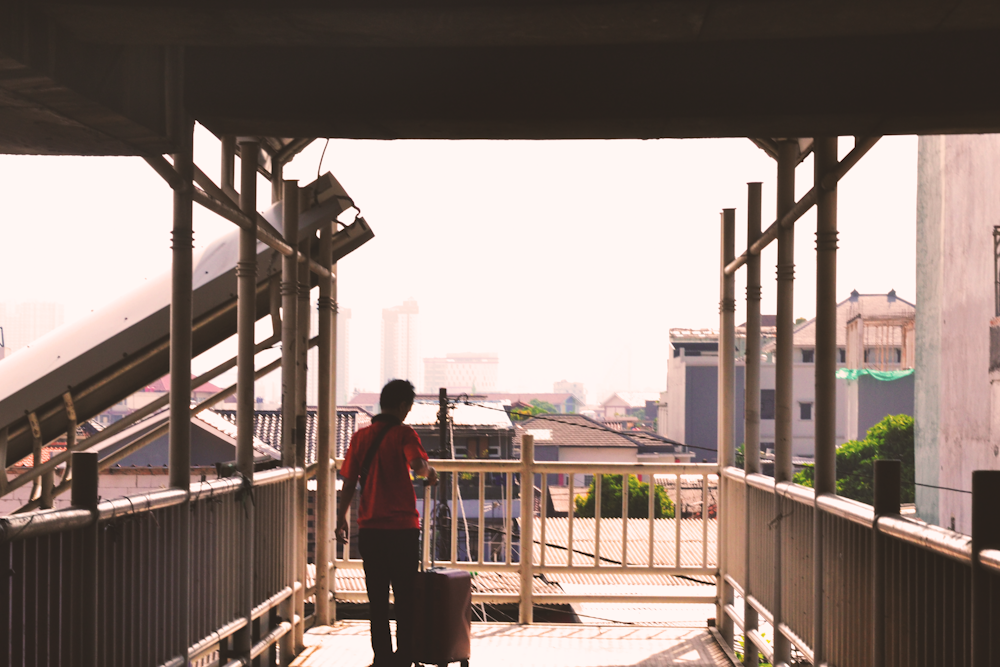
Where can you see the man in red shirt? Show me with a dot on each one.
(382, 456)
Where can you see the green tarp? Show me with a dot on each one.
(855, 373)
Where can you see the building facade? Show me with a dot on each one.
(468, 372)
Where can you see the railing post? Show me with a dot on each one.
(726, 416)
(327, 427)
(246, 308)
(985, 535)
(526, 565)
(887, 480)
(289, 305)
(751, 428)
(84, 626)
(825, 424)
(788, 153)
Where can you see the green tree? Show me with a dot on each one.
(536, 407)
(638, 499)
(891, 438)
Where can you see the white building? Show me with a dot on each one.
(469, 372)
(23, 323)
(401, 344)
(872, 324)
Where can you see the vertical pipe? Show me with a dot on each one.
(326, 429)
(544, 511)
(887, 482)
(246, 316)
(508, 517)
(751, 425)
(825, 419)
(625, 477)
(985, 535)
(482, 515)
(526, 565)
(598, 485)
(228, 166)
(289, 306)
(84, 588)
(569, 521)
(788, 153)
(726, 412)
(453, 533)
(651, 517)
(678, 515)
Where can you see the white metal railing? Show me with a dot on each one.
(893, 587)
(539, 544)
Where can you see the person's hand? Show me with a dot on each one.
(342, 529)
(432, 477)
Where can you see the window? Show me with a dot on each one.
(805, 411)
(767, 404)
(843, 355)
(808, 356)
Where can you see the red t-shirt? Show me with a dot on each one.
(388, 500)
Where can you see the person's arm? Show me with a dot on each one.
(343, 507)
(421, 468)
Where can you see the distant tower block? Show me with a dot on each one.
(401, 343)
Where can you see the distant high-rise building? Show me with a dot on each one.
(342, 386)
(577, 389)
(343, 356)
(23, 323)
(401, 343)
(462, 372)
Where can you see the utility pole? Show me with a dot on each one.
(444, 452)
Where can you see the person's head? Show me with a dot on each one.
(397, 398)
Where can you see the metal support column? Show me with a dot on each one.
(751, 415)
(84, 628)
(788, 153)
(302, 315)
(887, 478)
(246, 307)
(289, 306)
(726, 414)
(825, 417)
(985, 535)
(327, 428)
(181, 127)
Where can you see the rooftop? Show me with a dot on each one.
(571, 431)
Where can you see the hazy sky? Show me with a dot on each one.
(570, 259)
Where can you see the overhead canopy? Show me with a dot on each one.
(494, 69)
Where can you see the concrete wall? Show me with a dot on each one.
(702, 410)
(110, 486)
(958, 203)
(876, 399)
(597, 454)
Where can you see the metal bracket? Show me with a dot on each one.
(36, 434)
(70, 436)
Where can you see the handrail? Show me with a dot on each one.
(846, 508)
(990, 559)
(735, 474)
(796, 492)
(43, 522)
(762, 482)
(942, 541)
(515, 466)
(275, 475)
(146, 502)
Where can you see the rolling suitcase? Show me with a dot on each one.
(442, 628)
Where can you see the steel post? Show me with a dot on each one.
(726, 401)
(246, 278)
(526, 556)
(289, 305)
(326, 431)
(887, 478)
(787, 159)
(751, 415)
(85, 595)
(825, 359)
(985, 535)
(302, 496)
(181, 127)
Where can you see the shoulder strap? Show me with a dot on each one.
(370, 454)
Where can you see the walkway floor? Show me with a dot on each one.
(347, 644)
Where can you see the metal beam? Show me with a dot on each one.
(751, 413)
(788, 218)
(726, 402)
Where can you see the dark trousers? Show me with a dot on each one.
(390, 557)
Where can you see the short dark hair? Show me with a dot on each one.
(395, 393)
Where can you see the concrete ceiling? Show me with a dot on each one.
(87, 77)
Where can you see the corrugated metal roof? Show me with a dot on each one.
(267, 427)
(493, 416)
(664, 545)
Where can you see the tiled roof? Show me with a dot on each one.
(566, 431)
(868, 306)
(526, 397)
(267, 427)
